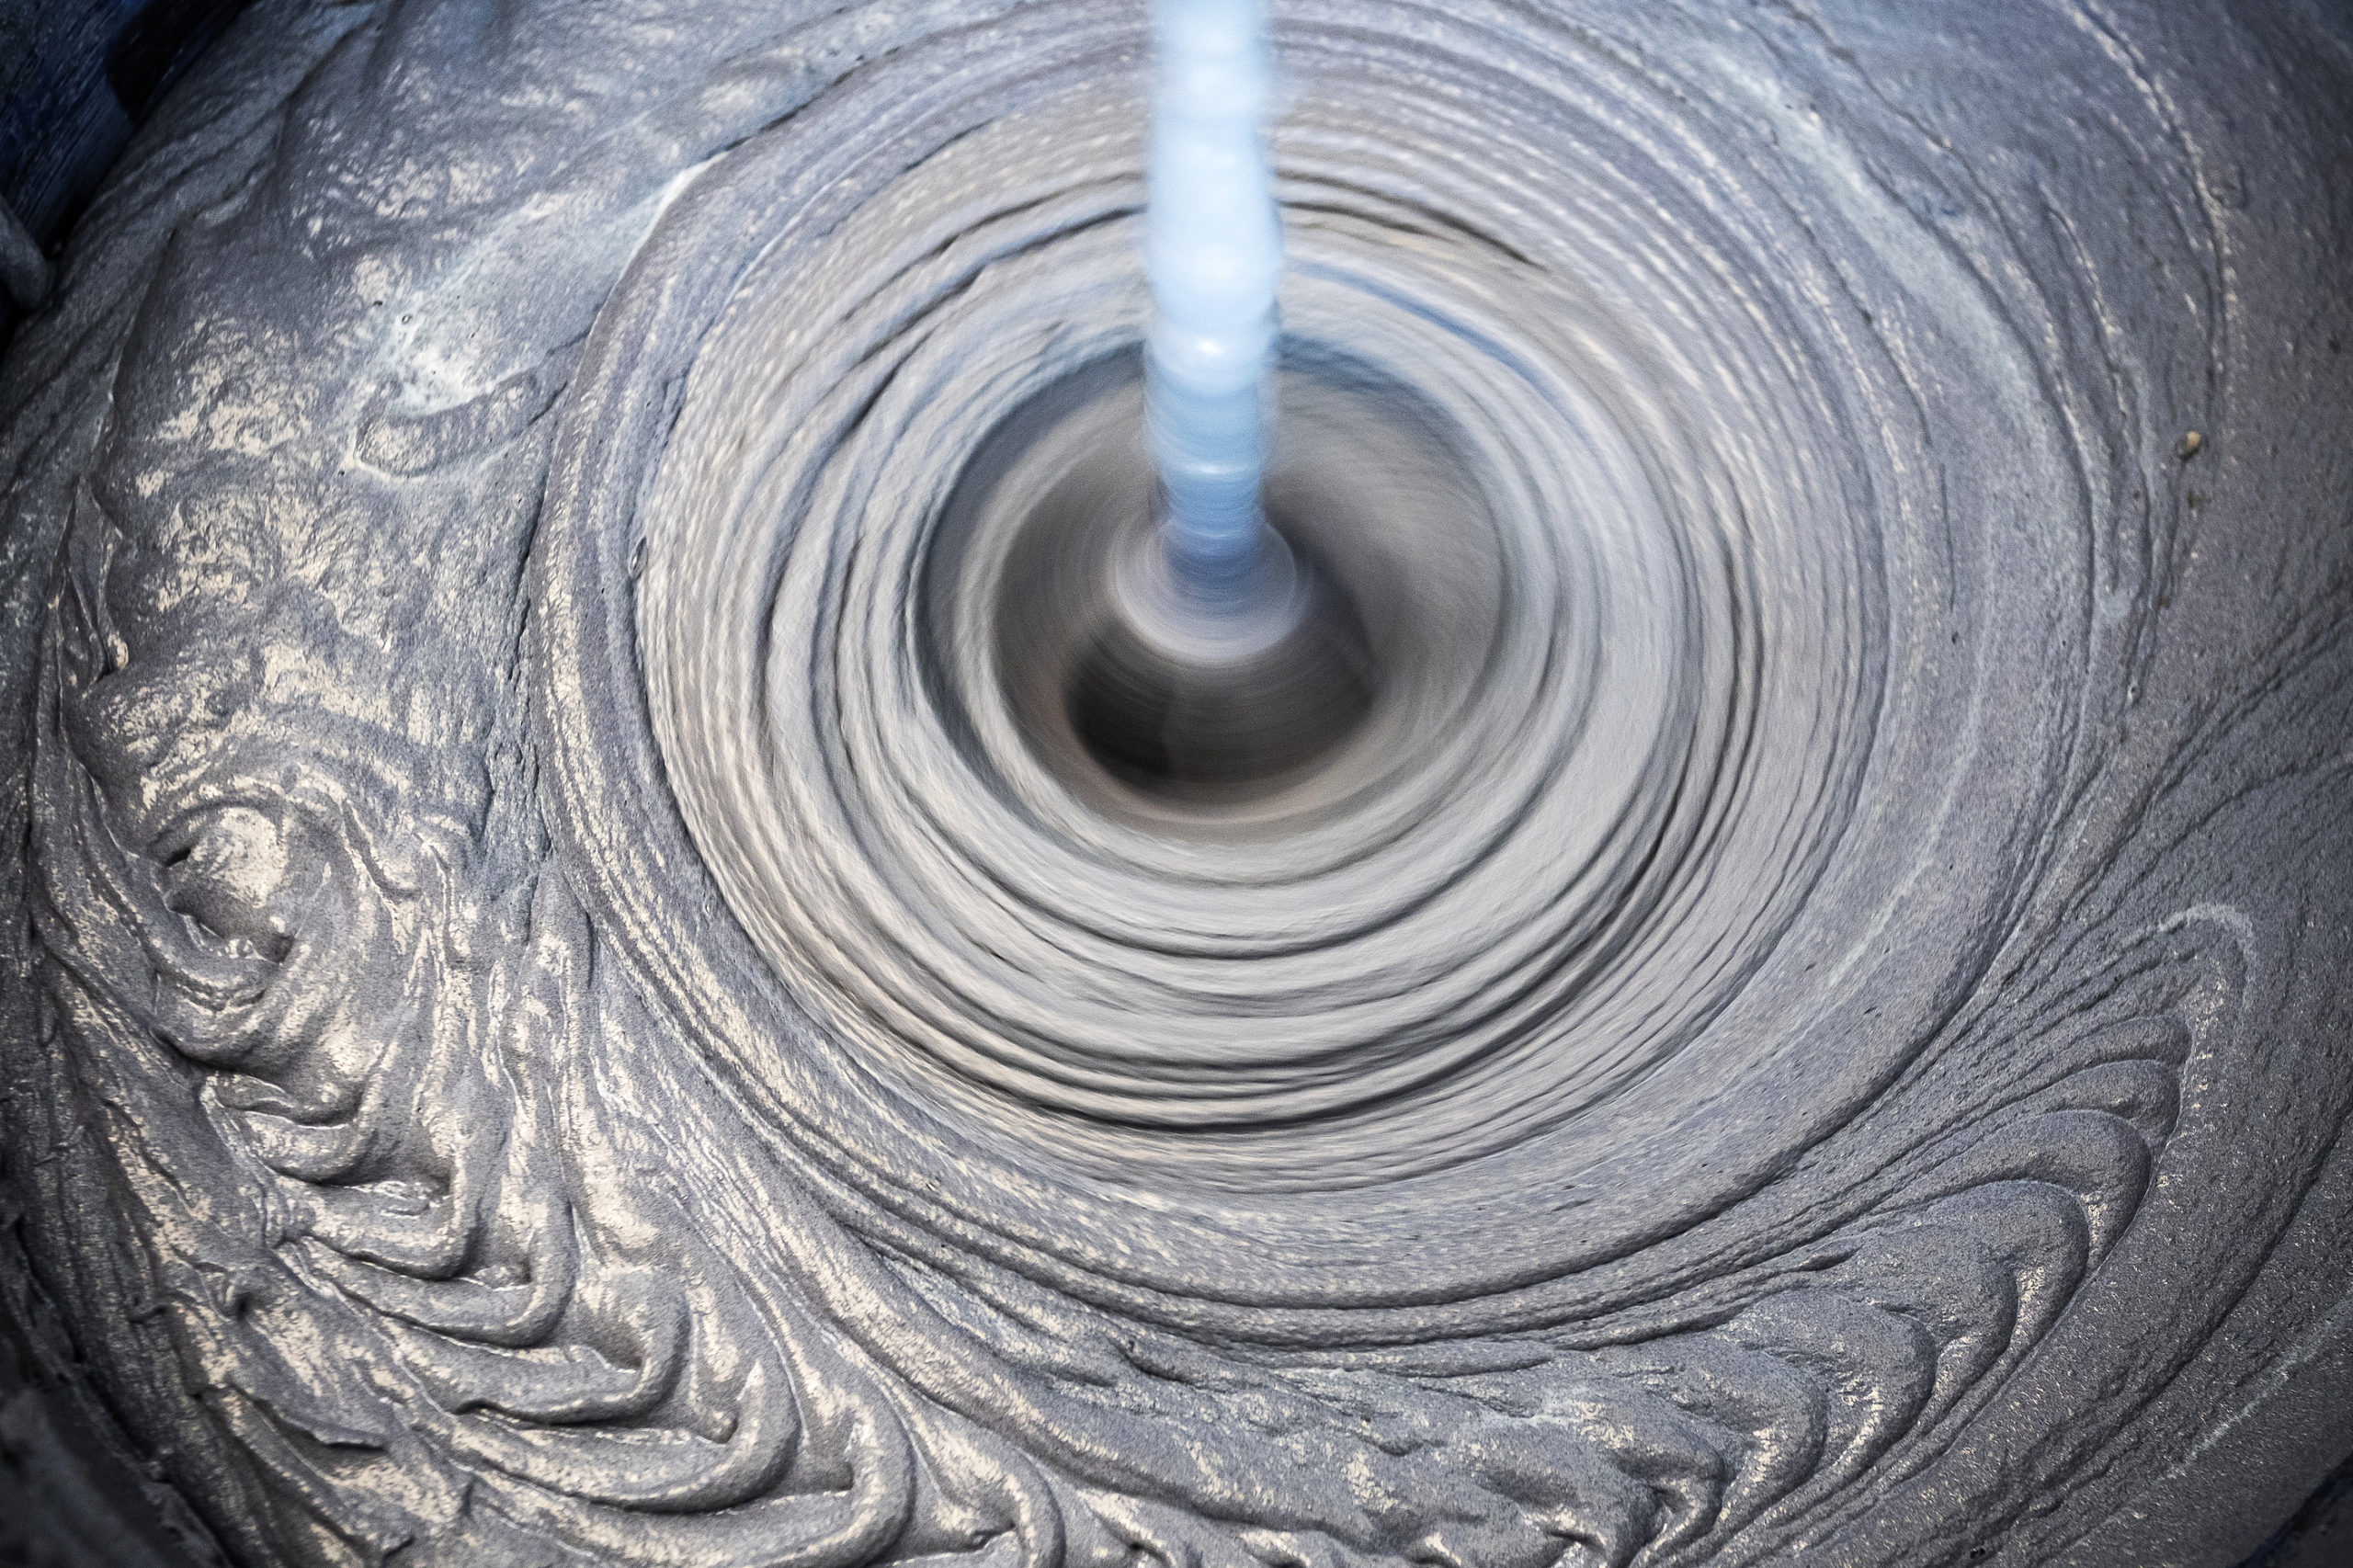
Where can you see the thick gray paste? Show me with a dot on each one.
(558, 1012)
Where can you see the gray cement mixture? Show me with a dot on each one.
(563, 1006)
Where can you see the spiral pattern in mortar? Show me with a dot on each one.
(633, 1020)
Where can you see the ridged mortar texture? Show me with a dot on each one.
(557, 1011)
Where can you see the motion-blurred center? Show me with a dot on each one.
(1365, 632)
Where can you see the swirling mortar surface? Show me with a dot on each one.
(561, 1015)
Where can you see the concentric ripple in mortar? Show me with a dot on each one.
(1423, 951)
(1700, 473)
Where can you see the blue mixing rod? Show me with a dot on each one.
(1213, 252)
